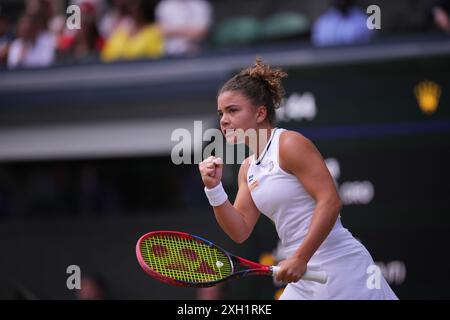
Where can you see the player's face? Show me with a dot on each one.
(235, 112)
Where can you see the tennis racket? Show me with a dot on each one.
(182, 259)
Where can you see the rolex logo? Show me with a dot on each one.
(428, 94)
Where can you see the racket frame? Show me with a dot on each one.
(254, 268)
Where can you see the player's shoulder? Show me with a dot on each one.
(293, 139)
(294, 147)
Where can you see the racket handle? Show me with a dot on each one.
(317, 276)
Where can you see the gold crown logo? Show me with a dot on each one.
(428, 94)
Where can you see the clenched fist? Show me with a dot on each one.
(211, 171)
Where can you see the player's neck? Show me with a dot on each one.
(263, 136)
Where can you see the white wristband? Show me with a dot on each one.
(216, 195)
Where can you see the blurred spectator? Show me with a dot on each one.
(441, 15)
(34, 46)
(44, 9)
(117, 16)
(343, 23)
(84, 44)
(184, 23)
(93, 287)
(6, 38)
(141, 39)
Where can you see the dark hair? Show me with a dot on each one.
(261, 85)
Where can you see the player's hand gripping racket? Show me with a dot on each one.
(183, 259)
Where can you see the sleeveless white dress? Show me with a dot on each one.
(282, 198)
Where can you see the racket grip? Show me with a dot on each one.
(317, 276)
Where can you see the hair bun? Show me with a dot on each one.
(271, 77)
(261, 84)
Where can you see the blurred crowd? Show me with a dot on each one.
(111, 30)
(46, 31)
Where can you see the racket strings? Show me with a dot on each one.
(185, 259)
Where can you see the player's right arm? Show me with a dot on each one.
(238, 219)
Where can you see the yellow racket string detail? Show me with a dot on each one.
(185, 259)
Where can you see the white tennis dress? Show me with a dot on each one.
(282, 198)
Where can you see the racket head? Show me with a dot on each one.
(182, 259)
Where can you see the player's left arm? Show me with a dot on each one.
(300, 157)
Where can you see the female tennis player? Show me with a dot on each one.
(287, 180)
